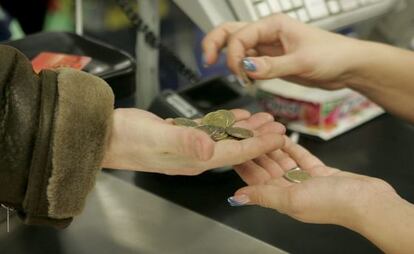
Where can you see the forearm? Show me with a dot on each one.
(385, 75)
(388, 222)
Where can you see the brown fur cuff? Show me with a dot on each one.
(82, 121)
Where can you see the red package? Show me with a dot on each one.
(50, 60)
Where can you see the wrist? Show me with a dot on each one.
(361, 62)
(367, 67)
(372, 204)
(108, 159)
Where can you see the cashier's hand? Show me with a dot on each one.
(144, 142)
(281, 47)
(331, 196)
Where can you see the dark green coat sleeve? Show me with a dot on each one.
(53, 129)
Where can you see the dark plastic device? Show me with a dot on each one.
(111, 64)
(196, 101)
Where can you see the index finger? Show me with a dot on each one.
(217, 40)
(263, 31)
(301, 155)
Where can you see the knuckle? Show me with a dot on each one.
(228, 24)
(262, 200)
(281, 129)
(268, 67)
(305, 63)
(379, 185)
(225, 24)
(266, 116)
(233, 38)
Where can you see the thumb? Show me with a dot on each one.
(266, 67)
(269, 196)
(188, 142)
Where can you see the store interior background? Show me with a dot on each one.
(206, 194)
(104, 20)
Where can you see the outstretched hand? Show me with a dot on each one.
(281, 47)
(330, 196)
(142, 141)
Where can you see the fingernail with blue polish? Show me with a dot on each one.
(240, 200)
(249, 65)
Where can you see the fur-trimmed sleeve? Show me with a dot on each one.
(65, 117)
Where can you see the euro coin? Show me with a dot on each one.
(211, 130)
(231, 138)
(214, 119)
(296, 175)
(219, 135)
(218, 125)
(239, 133)
(220, 118)
(216, 133)
(181, 121)
(228, 116)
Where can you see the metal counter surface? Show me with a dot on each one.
(121, 218)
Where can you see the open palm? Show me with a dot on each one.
(330, 196)
(142, 141)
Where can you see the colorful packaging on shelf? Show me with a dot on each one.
(317, 112)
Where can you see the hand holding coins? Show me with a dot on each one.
(218, 125)
(142, 141)
(293, 181)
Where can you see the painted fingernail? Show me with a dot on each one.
(239, 200)
(249, 65)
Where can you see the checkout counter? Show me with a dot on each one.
(191, 215)
(130, 212)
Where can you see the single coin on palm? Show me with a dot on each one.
(297, 175)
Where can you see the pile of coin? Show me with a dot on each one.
(218, 125)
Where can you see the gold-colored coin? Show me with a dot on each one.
(213, 119)
(229, 117)
(216, 133)
(239, 133)
(181, 121)
(231, 138)
(209, 129)
(218, 125)
(219, 135)
(220, 118)
(297, 175)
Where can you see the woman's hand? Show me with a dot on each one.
(330, 196)
(282, 47)
(142, 141)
